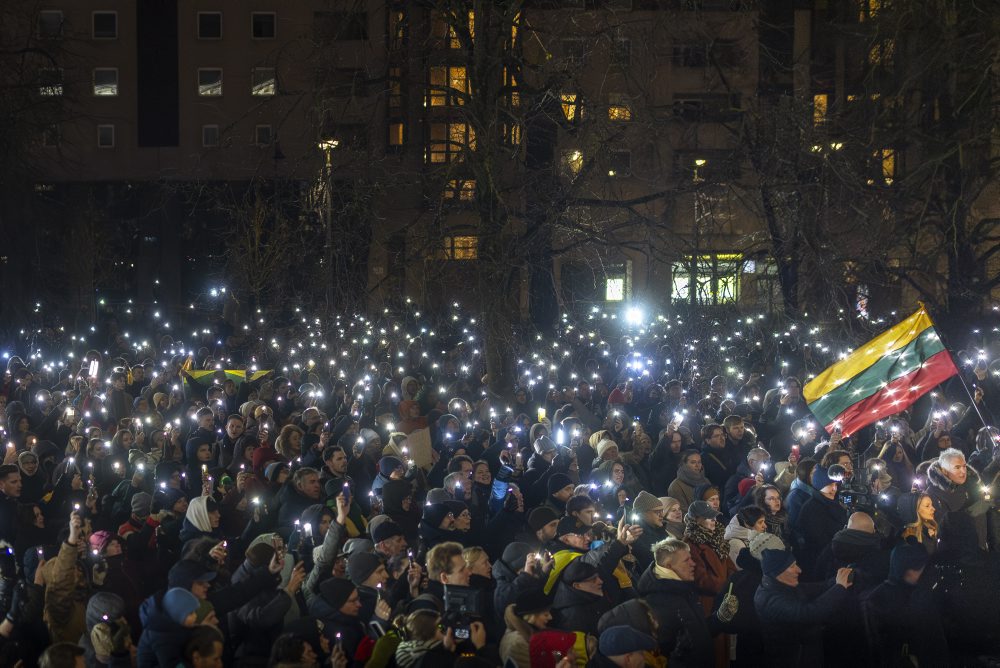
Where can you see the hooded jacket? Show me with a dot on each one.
(99, 606)
(255, 625)
(682, 630)
(738, 536)
(161, 644)
(792, 618)
(958, 506)
(65, 596)
(576, 610)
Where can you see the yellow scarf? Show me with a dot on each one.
(664, 573)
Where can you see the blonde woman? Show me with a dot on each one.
(289, 442)
(917, 513)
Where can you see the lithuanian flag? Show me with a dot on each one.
(882, 377)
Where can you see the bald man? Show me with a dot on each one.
(861, 522)
(859, 547)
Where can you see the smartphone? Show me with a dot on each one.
(347, 493)
(795, 450)
(500, 485)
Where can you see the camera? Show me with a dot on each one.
(853, 496)
(462, 606)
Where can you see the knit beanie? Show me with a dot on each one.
(531, 601)
(384, 530)
(764, 541)
(179, 603)
(438, 495)
(776, 562)
(141, 501)
(361, 565)
(544, 444)
(602, 447)
(558, 481)
(387, 465)
(435, 513)
(646, 502)
(336, 591)
(539, 517)
(515, 554)
(820, 478)
(545, 646)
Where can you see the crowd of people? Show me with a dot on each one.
(648, 499)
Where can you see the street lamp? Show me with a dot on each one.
(327, 146)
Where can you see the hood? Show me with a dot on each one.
(502, 572)
(736, 530)
(906, 506)
(154, 617)
(568, 597)
(634, 613)
(937, 477)
(851, 545)
(103, 604)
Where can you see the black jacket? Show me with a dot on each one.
(575, 610)
(254, 626)
(903, 620)
(720, 463)
(683, 631)
(819, 521)
(792, 618)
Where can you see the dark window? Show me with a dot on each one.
(574, 51)
(105, 25)
(690, 55)
(707, 107)
(263, 25)
(340, 26)
(209, 25)
(105, 136)
(621, 52)
(262, 135)
(50, 24)
(209, 135)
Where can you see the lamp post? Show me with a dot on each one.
(327, 146)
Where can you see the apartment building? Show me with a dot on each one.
(640, 102)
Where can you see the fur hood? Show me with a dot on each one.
(937, 478)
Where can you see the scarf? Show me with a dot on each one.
(699, 535)
(663, 573)
(776, 523)
(689, 477)
(410, 652)
(197, 514)
(675, 529)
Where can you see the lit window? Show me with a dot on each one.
(262, 135)
(105, 25)
(461, 248)
(105, 136)
(396, 135)
(106, 81)
(443, 30)
(448, 140)
(512, 133)
(882, 53)
(572, 162)
(446, 86)
(569, 106)
(264, 82)
(210, 82)
(263, 25)
(209, 25)
(869, 9)
(209, 135)
(50, 24)
(618, 109)
(614, 289)
(888, 158)
(707, 279)
(463, 190)
(819, 108)
(50, 83)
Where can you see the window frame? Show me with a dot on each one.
(94, 81)
(273, 15)
(58, 83)
(222, 81)
(114, 136)
(197, 25)
(93, 26)
(256, 135)
(253, 81)
(62, 24)
(614, 52)
(218, 136)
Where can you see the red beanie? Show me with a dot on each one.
(547, 648)
(745, 486)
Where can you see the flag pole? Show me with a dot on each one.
(972, 399)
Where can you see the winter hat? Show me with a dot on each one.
(361, 565)
(764, 541)
(539, 517)
(336, 591)
(259, 554)
(545, 646)
(745, 486)
(103, 606)
(186, 572)
(387, 465)
(100, 539)
(25, 457)
(904, 558)
(569, 524)
(701, 510)
(544, 444)
(368, 434)
(141, 501)
(385, 530)
(515, 554)
(438, 495)
(167, 497)
(530, 601)
(355, 545)
(393, 493)
(456, 508)
(578, 570)
(603, 445)
(906, 506)
(136, 456)
(776, 562)
(646, 502)
(557, 482)
(704, 491)
(820, 479)
(621, 640)
(308, 630)
(157, 397)
(435, 513)
(179, 603)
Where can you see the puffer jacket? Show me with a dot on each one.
(792, 618)
(66, 596)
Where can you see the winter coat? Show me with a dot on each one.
(162, 642)
(682, 631)
(351, 630)
(642, 549)
(819, 521)
(710, 573)
(797, 496)
(256, 624)
(508, 585)
(903, 621)
(743, 584)
(576, 610)
(515, 643)
(792, 618)
(721, 463)
(65, 596)
(738, 536)
(959, 509)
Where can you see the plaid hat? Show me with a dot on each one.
(646, 502)
(539, 517)
(702, 510)
(621, 640)
(569, 524)
(776, 562)
(547, 648)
